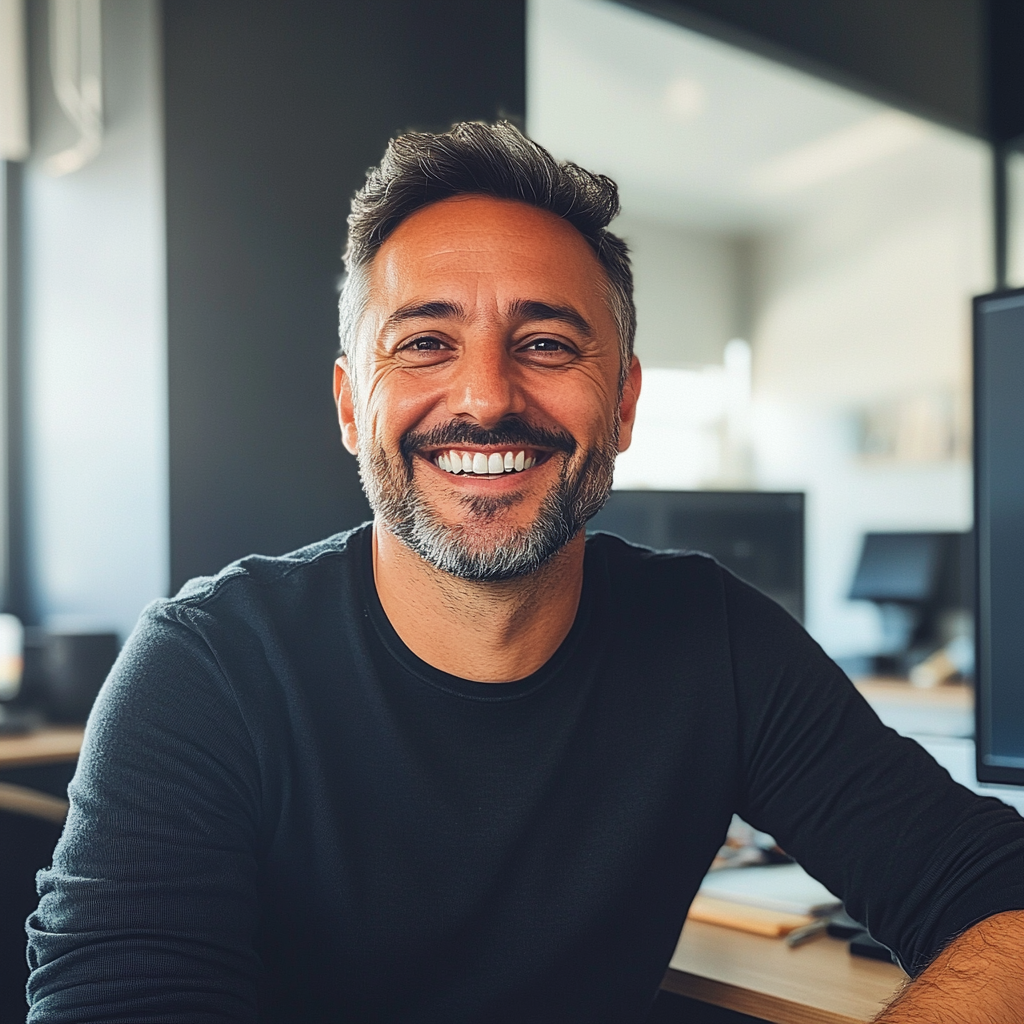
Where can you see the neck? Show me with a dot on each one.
(488, 632)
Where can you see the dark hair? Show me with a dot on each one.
(492, 160)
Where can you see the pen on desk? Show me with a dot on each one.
(798, 936)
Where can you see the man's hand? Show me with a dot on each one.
(977, 979)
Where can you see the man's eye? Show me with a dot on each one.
(546, 345)
(425, 345)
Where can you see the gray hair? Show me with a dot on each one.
(496, 160)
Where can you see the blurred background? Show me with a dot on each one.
(808, 188)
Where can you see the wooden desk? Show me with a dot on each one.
(52, 745)
(884, 689)
(817, 983)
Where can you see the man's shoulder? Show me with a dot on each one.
(647, 576)
(265, 577)
(649, 582)
(623, 556)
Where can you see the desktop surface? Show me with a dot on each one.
(816, 983)
(49, 745)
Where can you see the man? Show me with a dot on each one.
(464, 764)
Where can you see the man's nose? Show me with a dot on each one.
(485, 386)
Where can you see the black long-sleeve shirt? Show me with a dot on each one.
(281, 813)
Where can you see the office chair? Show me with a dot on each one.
(30, 825)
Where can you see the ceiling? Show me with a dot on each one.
(696, 131)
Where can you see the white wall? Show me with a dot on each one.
(95, 343)
(686, 291)
(866, 298)
(1015, 268)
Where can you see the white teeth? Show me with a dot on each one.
(483, 464)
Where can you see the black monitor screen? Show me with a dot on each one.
(759, 535)
(898, 567)
(999, 511)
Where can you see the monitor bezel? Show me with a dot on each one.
(998, 774)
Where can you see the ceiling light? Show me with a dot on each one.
(684, 98)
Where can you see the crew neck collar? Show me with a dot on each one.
(594, 575)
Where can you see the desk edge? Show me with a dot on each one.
(742, 1000)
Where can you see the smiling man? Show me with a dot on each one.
(464, 764)
(486, 392)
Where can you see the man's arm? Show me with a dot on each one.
(977, 979)
(149, 910)
(914, 856)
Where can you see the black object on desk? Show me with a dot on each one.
(864, 945)
(64, 672)
(842, 926)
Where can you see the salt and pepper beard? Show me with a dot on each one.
(505, 552)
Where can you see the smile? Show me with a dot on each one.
(483, 463)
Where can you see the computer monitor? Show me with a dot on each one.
(929, 577)
(898, 567)
(999, 524)
(759, 535)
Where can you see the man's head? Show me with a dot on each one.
(480, 159)
(487, 377)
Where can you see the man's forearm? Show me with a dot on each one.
(977, 979)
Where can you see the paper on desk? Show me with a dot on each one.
(756, 920)
(783, 887)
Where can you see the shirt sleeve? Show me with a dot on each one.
(869, 813)
(149, 910)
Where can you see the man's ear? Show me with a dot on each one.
(627, 404)
(343, 402)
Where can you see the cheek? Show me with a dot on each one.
(394, 406)
(586, 413)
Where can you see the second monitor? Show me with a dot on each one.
(759, 535)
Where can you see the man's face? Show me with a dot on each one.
(485, 410)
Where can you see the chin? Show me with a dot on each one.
(486, 552)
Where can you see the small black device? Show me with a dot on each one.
(864, 945)
(842, 926)
(999, 523)
(759, 535)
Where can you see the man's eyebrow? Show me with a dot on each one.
(534, 309)
(436, 309)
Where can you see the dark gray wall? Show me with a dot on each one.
(1005, 71)
(274, 110)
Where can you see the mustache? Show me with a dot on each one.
(511, 432)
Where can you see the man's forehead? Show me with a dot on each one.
(476, 242)
(470, 216)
